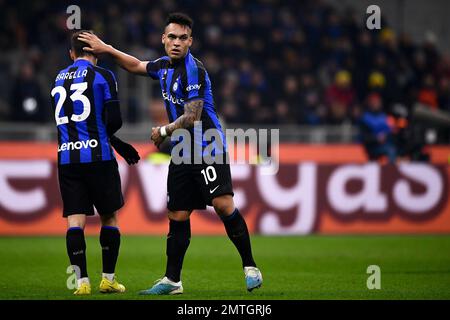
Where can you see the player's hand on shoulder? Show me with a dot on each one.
(126, 151)
(96, 45)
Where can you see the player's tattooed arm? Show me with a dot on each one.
(192, 112)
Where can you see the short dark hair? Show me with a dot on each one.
(78, 45)
(180, 18)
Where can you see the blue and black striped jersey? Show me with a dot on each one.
(184, 81)
(80, 94)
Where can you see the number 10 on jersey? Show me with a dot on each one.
(209, 174)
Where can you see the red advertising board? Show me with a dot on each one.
(318, 189)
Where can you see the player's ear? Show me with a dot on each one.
(72, 56)
(163, 37)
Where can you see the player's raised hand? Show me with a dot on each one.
(156, 136)
(96, 45)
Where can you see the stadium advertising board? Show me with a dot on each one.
(318, 189)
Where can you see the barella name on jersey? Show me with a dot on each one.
(77, 145)
(71, 75)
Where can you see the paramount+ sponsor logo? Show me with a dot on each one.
(78, 145)
(171, 98)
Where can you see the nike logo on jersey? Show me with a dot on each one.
(211, 191)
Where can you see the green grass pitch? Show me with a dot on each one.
(309, 267)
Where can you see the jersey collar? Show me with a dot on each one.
(81, 62)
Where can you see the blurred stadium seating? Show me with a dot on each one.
(306, 67)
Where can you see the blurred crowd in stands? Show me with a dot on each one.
(271, 62)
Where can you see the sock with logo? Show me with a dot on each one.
(178, 241)
(238, 233)
(76, 249)
(110, 242)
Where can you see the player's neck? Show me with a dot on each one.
(91, 60)
(176, 61)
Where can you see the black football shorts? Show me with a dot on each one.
(85, 185)
(194, 186)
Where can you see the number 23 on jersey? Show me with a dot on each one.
(76, 96)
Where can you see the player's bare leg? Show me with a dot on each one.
(178, 240)
(110, 242)
(109, 220)
(76, 249)
(76, 221)
(237, 231)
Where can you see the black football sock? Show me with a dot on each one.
(238, 233)
(76, 249)
(178, 241)
(110, 242)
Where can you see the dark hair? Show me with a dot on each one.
(77, 45)
(180, 18)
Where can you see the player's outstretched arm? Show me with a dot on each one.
(126, 61)
(192, 112)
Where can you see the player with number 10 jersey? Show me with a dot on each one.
(186, 90)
